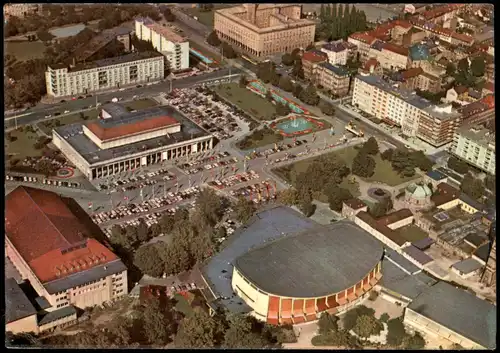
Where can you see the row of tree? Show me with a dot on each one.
(404, 161)
(340, 21)
(226, 49)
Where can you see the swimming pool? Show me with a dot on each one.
(200, 56)
(261, 89)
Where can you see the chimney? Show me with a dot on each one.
(251, 12)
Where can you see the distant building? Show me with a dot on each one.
(80, 79)
(174, 47)
(475, 145)
(21, 10)
(264, 29)
(51, 242)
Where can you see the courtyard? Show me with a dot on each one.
(412, 233)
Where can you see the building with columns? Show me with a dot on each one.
(120, 141)
(335, 268)
(265, 29)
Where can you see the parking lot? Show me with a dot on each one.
(132, 182)
(233, 180)
(199, 106)
(258, 192)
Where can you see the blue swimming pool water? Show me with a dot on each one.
(201, 56)
(277, 97)
(296, 125)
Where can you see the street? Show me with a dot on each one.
(39, 112)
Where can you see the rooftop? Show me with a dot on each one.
(17, 304)
(318, 262)
(436, 175)
(479, 135)
(336, 47)
(444, 193)
(467, 266)
(265, 226)
(62, 245)
(459, 311)
(483, 252)
(418, 255)
(165, 32)
(74, 135)
(55, 315)
(355, 203)
(419, 190)
(397, 49)
(363, 37)
(314, 56)
(381, 224)
(337, 70)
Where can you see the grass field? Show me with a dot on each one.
(412, 233)
(206, 18)
(258, 107)
(25, 50)
(23, 146)
(47, 126)
(141, 104)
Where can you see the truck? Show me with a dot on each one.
(114, 100)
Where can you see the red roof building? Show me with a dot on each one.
(52, 243)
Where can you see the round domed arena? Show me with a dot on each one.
(296, 278)
(418, 195)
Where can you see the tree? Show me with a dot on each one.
(401, 161)
(367, 326)
(384, 317)
(289, 197)
(478, 66)
(310, 46)
(282, 109)
(297, 70)
(167, 223)
(395, 332)
(285, 83)
(309, 95)
(169, 16)
(210, 205)
(275, 78)
(142, 231)
(265, 71)
(148, 260)
(326, 108)
(228, 51)
(336, 196)
(296, 54)
(327, 323)
(371, 146)
(415, 341)
(243, 333)
(198, 330)
(381, 208)
(351, 317)
(157, 325)
(297, 90)
(243, 81)
(363, 165)
(421, 161)
(244, 209)
(45, 167)
(473, 187)
(287, 59)
(458, 165)
(213, 39)
(450, 69)
(489, 182)
(340, 338)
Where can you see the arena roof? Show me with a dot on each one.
(121, 128)
(315, 263)
(59, 247)
(17, 304)
(73, 134)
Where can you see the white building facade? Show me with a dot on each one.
(174, 47)
(475, 146)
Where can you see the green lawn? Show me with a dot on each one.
(25, 50)
(412, 233)
(182, 305)
(23, 146)
(206, 18)
(47, 126)
(141, 104)
(253, 104)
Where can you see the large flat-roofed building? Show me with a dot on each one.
(418, 117)
(126, 141)
(174, 47)
(139, 67)
(475, 145)
(51, 241)
(265, 29)
(334, 269)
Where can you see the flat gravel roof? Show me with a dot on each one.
(315, 263)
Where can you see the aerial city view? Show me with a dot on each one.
(285, 176)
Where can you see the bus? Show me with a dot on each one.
(249, 60)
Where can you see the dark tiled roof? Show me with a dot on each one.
(444, 193)
(471, 202)
(483, 252)
(396, 49)
(355, 203)
(314, 56)
(337, 70)
(318, 262)
(381, 224)
(396, 280)
(467, 266)
(56, 315)
(42, 303)
(459, 311)
(476, 239)
(402, 262)
(436, 175)
(418, 255)
(17, 304)
(423, 243)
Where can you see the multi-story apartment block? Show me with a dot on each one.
(385, 100)
(174, 47)
(475, 145)
(337, 52)
(21, 10)
(333, 78)
(393, 57)
(264, 29)
(139, 67)
(363, 42)
(310, 61)
(50, 241)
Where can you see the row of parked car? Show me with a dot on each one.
(133, 182)
(212, 165)
(146, 206)
(30, 179)
(234, 179)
